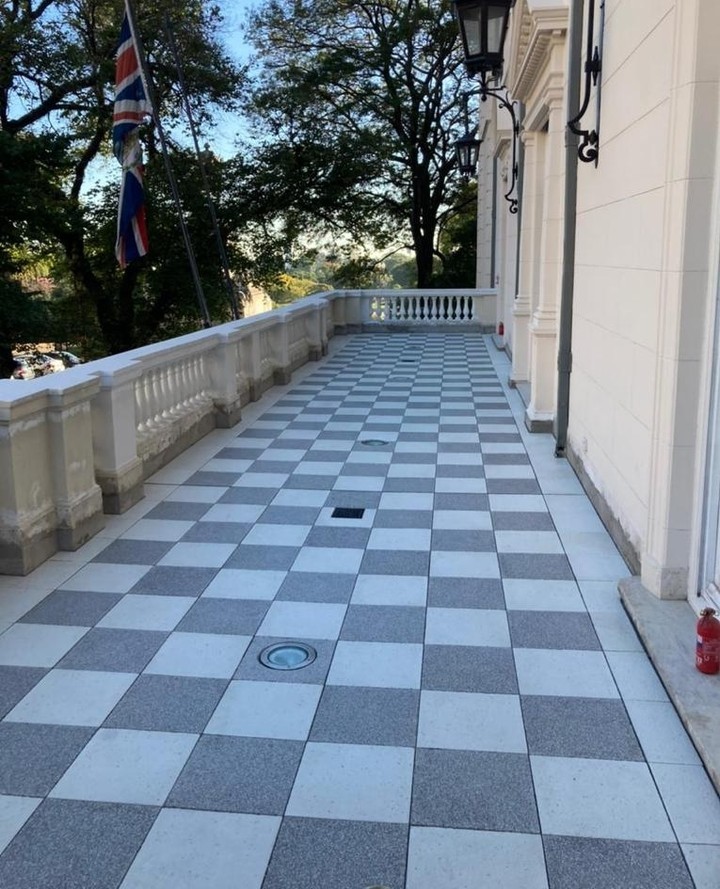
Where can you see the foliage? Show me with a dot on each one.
(287, 288)
(56, 77)
(357, 107)
(458, 243)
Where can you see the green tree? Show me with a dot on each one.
(358, 106)
(56, 76)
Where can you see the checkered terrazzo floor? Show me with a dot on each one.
(480, 712)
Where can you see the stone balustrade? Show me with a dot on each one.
(79, 444)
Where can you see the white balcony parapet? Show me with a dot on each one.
(80, 443)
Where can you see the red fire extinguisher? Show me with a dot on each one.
(707, 655)
(501, 328)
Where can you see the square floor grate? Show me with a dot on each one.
(347, 512)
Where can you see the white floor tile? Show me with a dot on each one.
(266, 710)
(582, 674)
(416, 447)
(691, 801)
(601, 595)
(14, 812)
(461, 520)
(220, 465)
(198, 555)
(274, 454)
(385, 589)
(635, 676)
(100, 577)
(440, 858)
(196, 494)
(300, 497)
(463, 564)
(542, 595)
(615, 631)
(309, 620)
(313, 468)
(459, 459)
(213, 656)
(244, 513)
(466, 626)
(353, 782)
(261, 480)
(661, 734)
(599, 798)
(463, 721)
(573, 512)
(417, 539)
(376, 664)
(236, 583)
(406, 501)
(276, 535)
(411, 470)
(704, 864)
(334, 560)
(460, 486)
(499, 470)
(196, 850)
(72, 697)
(37, 645)
(120, 766)
(593, 555)
(147, 612)
(359, 483)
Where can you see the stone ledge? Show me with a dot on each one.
(667, 630)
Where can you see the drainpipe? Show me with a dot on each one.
(564, 363)
(519, 186)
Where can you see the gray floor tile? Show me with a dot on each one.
(462, 501)
(15, 683)
(134, 552)
(463, 541)
(68, 844)
(371, 470)
(383, 623)
(257, 496)
(356, 499)
(409, 485)
(34, 757)
(522, 521)
(306, 586)
(506, 460)
(205, 478)
(68, 608)
(312, 853)
(592, 728)
(239, 617)
(323, 456)
(216, 532)
(535, 566)
(403, 518)
(513, 486)
(474, 790)
(272, 466)
(585, 863)
(167, 704)
(354, 538)
(231, 774)
(400, 457)
(310, 482)
(465, 592)
(166, 580)
(469, 668)
(240, 453)
(355, 715)
(380, 561)
(178, 511)
(315, 673)
(447, 470)
(269, 558)
(121, 651)
(289, 515)
(552, 629)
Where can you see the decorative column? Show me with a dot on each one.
(543, 326)
(529, 242)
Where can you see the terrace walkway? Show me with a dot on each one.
(480, 712)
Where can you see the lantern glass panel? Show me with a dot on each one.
(496, 16)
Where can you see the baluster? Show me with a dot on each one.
(414, 308)
(141, 406)
(155, 397)
(471, 308)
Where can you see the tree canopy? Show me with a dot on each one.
(357, 106)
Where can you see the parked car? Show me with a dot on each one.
(55, 364)
(40, 364)
(22, 369)
(67, 358)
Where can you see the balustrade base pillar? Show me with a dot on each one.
(227, 415)
(121, 489)
(80, 521)
(315, 353)
(538, 422)
(23, 551)
(282, 376)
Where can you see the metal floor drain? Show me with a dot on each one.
(287, 655)
(347, 512)
(374, 442)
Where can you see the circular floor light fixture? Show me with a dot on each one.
(287, 655)
(374, 442)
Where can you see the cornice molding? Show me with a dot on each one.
(535, 31)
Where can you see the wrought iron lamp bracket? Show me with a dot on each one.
(589, 145)
(502, 97)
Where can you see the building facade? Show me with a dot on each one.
(643, 427)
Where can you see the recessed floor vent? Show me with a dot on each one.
(347, 512)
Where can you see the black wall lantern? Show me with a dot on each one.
(467, 148)
(589, 145)
(483, 26)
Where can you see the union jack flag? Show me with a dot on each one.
(131, 108)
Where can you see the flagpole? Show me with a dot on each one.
(149, 89)
(225, 265)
